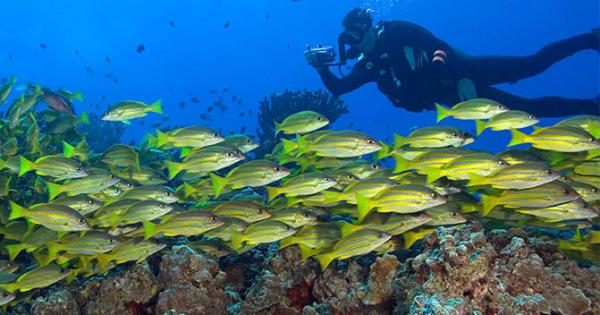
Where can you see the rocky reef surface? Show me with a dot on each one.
(458, 270)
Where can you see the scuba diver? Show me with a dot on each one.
(415, 69)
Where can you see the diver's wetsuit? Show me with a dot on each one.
(400, 64)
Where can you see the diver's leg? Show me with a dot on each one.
(544, 106)
(490, 70)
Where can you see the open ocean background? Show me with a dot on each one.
(261, 52)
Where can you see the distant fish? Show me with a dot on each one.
(227, 24)
(267, 16)
(107, 58)
(194, 100)
(164, 118)
(209, 109)
(110, 76)
(204, 116)
(103, 98)
(239, 101)
(212, 91)
(140, 48)
(233, 98)
(89, 69)
(172, 24)
(43, 46)
(225, 89)
(243, 129)
(241, 114)
(250, 111)
(78, 54)
(182, 104)
(9, 57)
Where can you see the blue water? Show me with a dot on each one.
(261, 52)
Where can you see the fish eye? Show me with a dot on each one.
(591, 139)
(306, 215)
(215, 134)
(381, 235)
(91, 202)
(433, 195)
(229, 154)
(531, 117)
(112, 240)
(370, 141)
(78, 169)
(319, 118)
(277, 169)
(453, 214)
(566, 192)
(594, 190)
(326, 179)
(287, 227)
(81, 221)
(454, 134)
(248, 141)
(162, 205)
(213, 218)
(168, 194)
(502, 162)
(548, 172)
(260, 210)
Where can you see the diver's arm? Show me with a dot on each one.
(338, 86)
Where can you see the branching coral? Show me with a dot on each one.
(278, 106)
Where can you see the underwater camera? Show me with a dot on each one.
(321, 55)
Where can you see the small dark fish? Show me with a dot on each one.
(241, 114)
(227, 24)
(209, 109)
(140, 48)
(172, 23)
(182, 104)
(267, 16)
(250, 111)
(43, 46)
(9, 57)
(107, 58)
(233, 98)
(77, 53)
(231, 132)
(212, 91)
(239, 101)
(103, 97)
(204, 116)
(243, 129)
(194, 100)
(225, 89)
(89, 69)
(350, 125)
(289, 46)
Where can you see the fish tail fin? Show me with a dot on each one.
(174, 168)
(477, 180)
(288, 146)
(156, 107)
(347, 228)
(288, 241)
(277, 128)
(302, 144)
(433, 174)
(14, 250)
(384, 152)
(188, 189)
(151, 141)
(402, 164)
(68, 150)
(161, 138)
(307, 252)
(324, 260)
(149, 229)
(398, 141)
(411, 237)
(364, 206)
(480, 126)
(77, 96)
(25, 165)
(272, 192)
(304, 163)
(218, 183)
(292, 201)
(52, 250)
(54, 190)
(332, 196)
(103, 261)
(517, 138)
(185, 152)
(594, 128)
(237, 240)
(16, 211)
(487, 204)
(84, 118)
(442, 112)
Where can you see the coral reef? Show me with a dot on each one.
(277, 107)
(461, 270)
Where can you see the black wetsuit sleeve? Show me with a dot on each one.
(356, 78)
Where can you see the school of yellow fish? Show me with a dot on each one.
(75, 212)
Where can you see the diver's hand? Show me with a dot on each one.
(440, 56)
(311, 58)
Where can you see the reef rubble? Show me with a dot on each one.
(458, 270)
